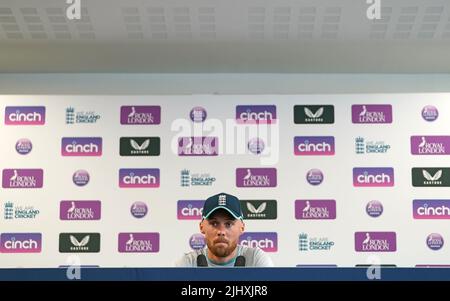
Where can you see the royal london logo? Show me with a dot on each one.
(22, 178)
(371, 113)
(12, 211)
(140, 115)
(306, 243)
(370, 147)
(73, 117)
(375, 242)
(430, 145)
(138, 242)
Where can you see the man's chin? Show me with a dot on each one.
(221, 251)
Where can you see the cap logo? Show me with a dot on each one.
(222, 200)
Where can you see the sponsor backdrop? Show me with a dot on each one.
(120, 181)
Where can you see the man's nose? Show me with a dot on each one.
(221, 230)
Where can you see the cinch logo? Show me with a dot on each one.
(140, 115)
(373, 176)
(139, 178)
(430, 145)
(375, 241)
(431, 177)
(315, 209)
(196, 179)
(20, 242)
(267, 241)
(79, 242)
(259, 114)
(371, 113)
(431, 209)
(76, 146)
(256, 177)
(25, 115)
(259, 209)
(23, 178)
(370, 147)
(198, 146)
(190, 210)
(314, 146)
(313, 114)
(138, 242)
(19, 212)
(140, 146)
(80, 210)
(306, 243)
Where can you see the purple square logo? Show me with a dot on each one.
(23, 178)
(140, 115)
(139, 242)
(371, 114)
(256, 177)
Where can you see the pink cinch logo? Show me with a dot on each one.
(81, 146)
(25, 115)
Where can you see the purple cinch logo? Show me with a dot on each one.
(139, 242)
(139, 209)
(80, 177)
(256, 146)
(435, 241)
(198, 114)
(20, 242)
(267, 241)
(374, 208)
(197, 241)
(190, 210)
(430, 145)
(314, 176)
(140, 115)
(373, 177)
(23, 178)
(257, 114)
(81, 146)
(256, 177)
(314, 146)
(80, 210)
(371, 113)
(315, 209)
(25, 115)
(431, 209)
(24, 146)
(139, 178)
(430, 113)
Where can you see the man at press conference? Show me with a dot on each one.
(222, 224)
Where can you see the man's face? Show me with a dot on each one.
(221, 232)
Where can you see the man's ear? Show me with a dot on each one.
(201, 227)
(242, 226)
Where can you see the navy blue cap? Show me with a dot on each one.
(224, 201)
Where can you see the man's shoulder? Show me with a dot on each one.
(255, 256)
(188, 259)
